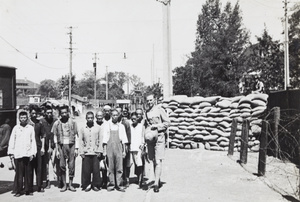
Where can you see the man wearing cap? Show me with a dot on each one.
(107, 113)
(22, 149)
(113, 147)
(157, 121)
(66, 144)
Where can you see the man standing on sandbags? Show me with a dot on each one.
(156, 123)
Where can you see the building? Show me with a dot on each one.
(24, 86)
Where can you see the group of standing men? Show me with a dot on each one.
(107, 144)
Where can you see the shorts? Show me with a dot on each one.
(137, 158)
(156, 151)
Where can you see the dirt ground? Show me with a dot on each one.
(188, 175)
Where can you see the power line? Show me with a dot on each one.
(16, 49)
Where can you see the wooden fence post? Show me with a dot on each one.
(263, 149)
(244, 142)
(232, 137)
(276, 123)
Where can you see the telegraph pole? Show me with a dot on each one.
(95, 81)
(167, 64)
(70, 75)
(106, 87)
(286, 50)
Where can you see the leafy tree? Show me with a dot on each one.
(214, 66)
(115, 92)
(294, 46)
(137, 83)
(63, 84)
(155, 89)
(266, 57)
(85, 86)
(118, 78)
(48, 88)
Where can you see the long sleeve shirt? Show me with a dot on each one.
(22, 142)
(114, 126)
(89, 140)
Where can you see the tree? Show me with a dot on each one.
(214, 66)
(48, 88)
(155, 89)
(294, 46)
(137, 83)
(63, 85)
(266, 57)
(115, 92)
(85, 86)
(118, 78)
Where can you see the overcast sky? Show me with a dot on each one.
(109, 28)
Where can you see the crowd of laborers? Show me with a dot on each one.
(107, 143)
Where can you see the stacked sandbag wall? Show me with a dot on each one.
(206, 122)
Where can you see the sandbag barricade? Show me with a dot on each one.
(198, 122)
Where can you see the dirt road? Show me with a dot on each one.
(188, 175)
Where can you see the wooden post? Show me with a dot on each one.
(276, 123)
(263, 149)
(232, 137)
(244, 142)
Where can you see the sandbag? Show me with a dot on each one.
(223, 104)
(224, 144)
(173, 128)
(212, 100)
(188, 110)
(223, 139)
(256, 103)
(234, 105)
(204, 104)
(179, 111)
(184, 114)
(210, 138)
(198, 137)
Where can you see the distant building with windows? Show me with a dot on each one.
(25, 86)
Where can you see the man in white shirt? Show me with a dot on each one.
(22, 148)
(114, 139)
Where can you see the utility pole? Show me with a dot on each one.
(106, 86)
(125, 57)
(70, 75)
(167, 56)
(286, 50)
(95, 81)
(153, 65)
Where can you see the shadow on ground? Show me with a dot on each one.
(6, 186)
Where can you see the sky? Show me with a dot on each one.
(34, 34)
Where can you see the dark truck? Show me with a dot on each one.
(7, 105)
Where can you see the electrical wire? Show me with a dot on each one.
(16, 49)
